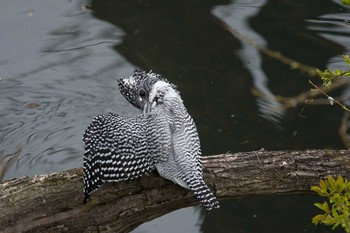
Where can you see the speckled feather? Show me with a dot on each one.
(164, 137)
(161, 98)
(121, 148)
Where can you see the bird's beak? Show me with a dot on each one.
(147, 108)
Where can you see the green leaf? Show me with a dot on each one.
(316, 189)
(339, 184)
(338, 72)
(334, 213)
(323, 185)
(348, 187)
(337, 198)
(318, 219)
(323, 206)
(346, 2)
(346, 56)
(331, 180)
(328, 220)
(318, 205)
(336, 224)
(340, 180)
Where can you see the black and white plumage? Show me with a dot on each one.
(121, 148)
(164, 137)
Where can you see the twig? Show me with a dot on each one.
(331, 99)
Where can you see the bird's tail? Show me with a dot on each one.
(92, 175)
(203, 193)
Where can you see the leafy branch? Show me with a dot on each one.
(337, 209)
(329, 76)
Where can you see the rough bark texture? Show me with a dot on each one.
(54, 202)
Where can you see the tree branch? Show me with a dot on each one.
(53, 203)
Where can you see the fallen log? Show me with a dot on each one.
(54, 202)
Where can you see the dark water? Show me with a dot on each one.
(59, 62)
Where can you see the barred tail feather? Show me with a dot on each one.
(203, 193)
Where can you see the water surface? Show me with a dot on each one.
(60, 60)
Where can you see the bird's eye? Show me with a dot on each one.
(142, 93)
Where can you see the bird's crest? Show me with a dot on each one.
(142, 88)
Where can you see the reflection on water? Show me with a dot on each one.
(59, 63)
(55, 75)
(237, 18)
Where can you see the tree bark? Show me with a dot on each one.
(54, 202)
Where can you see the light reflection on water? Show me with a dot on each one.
(236, 16)
(52, 85)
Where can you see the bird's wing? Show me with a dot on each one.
(115, 150)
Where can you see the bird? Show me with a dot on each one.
(162, 137)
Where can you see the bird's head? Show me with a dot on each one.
(146, 90)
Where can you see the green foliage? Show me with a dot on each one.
(337, 208)
(346, 2)
(329, 76)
